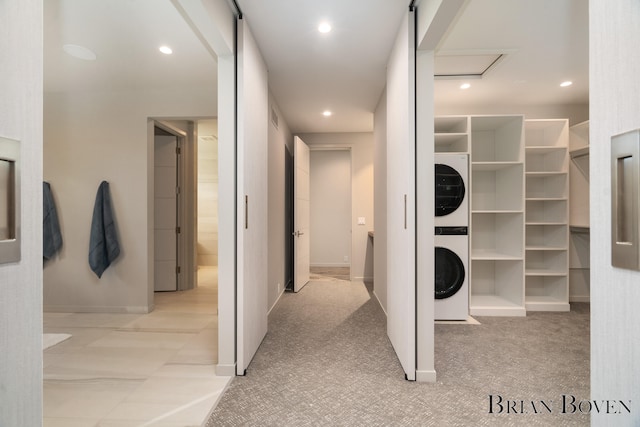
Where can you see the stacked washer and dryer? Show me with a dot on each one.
(451, 237)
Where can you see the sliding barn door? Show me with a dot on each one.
(401, 199)
(252, 192)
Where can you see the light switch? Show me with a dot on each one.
(361, 220)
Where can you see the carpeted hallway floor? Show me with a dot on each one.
(327, 361)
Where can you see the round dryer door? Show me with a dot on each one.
(449, 189)
(450, 273)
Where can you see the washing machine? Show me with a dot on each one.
(451, 273)
(451, 237)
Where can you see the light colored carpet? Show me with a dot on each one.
(49, 340)
(327, 361)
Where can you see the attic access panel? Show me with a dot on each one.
(465, 66)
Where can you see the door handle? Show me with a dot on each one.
(297, 233)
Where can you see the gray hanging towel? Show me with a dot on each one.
(51, 235)
(103, 243)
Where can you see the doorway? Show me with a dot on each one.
(166, 212)
(331, 212)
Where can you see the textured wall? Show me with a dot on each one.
(615, 293)
(207, 192)
(21, 283)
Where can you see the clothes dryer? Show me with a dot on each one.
(451, 190)
(451, 273)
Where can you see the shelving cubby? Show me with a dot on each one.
(497, 215)
(495, 289)
(547, 215)
(451, 134)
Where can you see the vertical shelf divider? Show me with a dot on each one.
(547, 215)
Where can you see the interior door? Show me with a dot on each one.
(165, 213)
(301, 214)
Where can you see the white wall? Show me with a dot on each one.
(361, 195)
(279, 138)
(380, 201)
(207, 193)
(21, 283)
(95, 136)
(330, 228)
(614, 90)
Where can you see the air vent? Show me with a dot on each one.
(274, 117)
(207, 138)
(450, 65)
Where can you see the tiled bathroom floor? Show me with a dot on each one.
(125, 370)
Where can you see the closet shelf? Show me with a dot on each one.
(579, 229)
(579, 152)
(543, 272)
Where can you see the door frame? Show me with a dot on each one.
(186, 132)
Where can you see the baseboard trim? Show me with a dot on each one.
(426, 376)
(96, 309)
(329, 265)
(276, 302)
(586, 298)
(226, 370)
(380, 304)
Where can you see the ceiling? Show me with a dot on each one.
(344, 71)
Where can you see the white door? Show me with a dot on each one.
(253, 211)
(165, 213)
(401, 200)
(301, 247)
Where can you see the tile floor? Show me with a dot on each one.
(126, 370)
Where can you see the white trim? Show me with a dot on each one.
(380, 304)
(97, 309)
(276, 302)
(226, 371)
(426, 376)
(329, 265)
(579, 298)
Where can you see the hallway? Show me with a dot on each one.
(125, 370)
(326, 360)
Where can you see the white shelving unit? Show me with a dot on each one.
(579, 248)
(497, 215)
(452, 134)
(547, 215)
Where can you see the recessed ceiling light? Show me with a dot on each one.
(327, 113)
(465, 86)
(565, 84)
(324, 27)
(79, 52)
(166, 50)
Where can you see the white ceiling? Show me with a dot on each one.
(343, 71)
(549, 44)
(125, 36)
